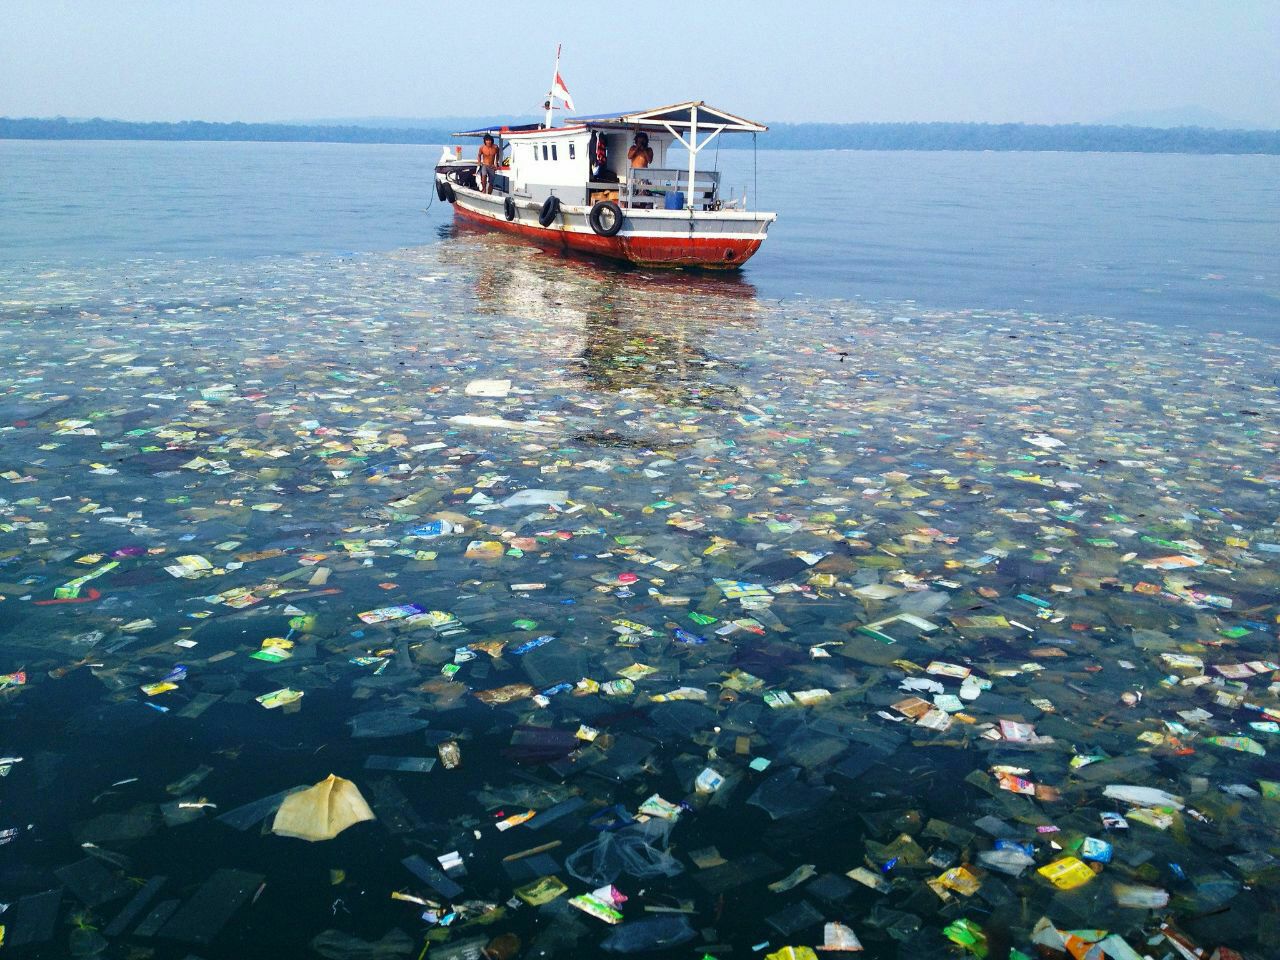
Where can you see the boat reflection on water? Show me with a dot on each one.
(617, 329)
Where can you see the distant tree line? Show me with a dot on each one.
(783, 136)
(62, 129)
(1020, 136)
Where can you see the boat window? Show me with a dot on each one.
(571, 151)
(553, 152)
(544, 151)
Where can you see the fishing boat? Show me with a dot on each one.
(575, 186)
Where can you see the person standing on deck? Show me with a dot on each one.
(640, 153)
(487, 160)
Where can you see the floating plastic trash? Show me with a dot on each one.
(321, 812)
(779, 616)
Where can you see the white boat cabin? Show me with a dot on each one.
(586, 160)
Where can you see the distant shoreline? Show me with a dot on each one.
(1075, 138)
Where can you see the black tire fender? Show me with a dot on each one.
(509, 208)
(550, 210)
(606, 211)
(444, 190)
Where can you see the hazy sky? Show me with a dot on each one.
(1041, 61)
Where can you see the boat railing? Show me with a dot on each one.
(649, 187)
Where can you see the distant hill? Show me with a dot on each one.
(783, 136)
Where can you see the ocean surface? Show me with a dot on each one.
(917, 587)
(1166, 239)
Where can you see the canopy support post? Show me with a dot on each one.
(693, 146)
(755, 173)
(672, 130)
(693, 152)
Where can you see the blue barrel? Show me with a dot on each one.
(675, 200)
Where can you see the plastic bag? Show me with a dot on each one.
(783, 795)
(336, 945)
(652, 933)
(1009, 860)
(322, 812)
(639, 851)
(384, 723)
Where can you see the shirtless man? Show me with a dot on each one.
(640, 153)
(487, 160)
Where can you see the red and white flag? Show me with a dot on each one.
(558, 89)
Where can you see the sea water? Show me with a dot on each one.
(776, 604)
(1165, 239)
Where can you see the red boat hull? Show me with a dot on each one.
(707, 253)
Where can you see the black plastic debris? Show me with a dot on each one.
(203, 916)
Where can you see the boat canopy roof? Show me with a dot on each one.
(676, 116)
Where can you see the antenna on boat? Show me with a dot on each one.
(558, 89)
